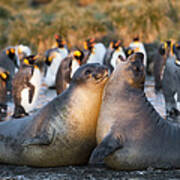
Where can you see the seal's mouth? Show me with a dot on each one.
(101, 76)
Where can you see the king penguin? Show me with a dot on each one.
(26, 85)
(114, 51)
(4, 76)
(67, 69)
(138, 46)
(9, 61)
(53, 60)
(97, 51)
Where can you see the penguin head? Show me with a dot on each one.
(89, 44)
(49, 58)
(115, 44)
(4, 76)
(92, 74)
(29, 60)
(165, 48)
(136, 38)
(10, 52)
(78, 55)
(60, 42)
(129, 51)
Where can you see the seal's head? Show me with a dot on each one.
(92, 74)
(132, 71)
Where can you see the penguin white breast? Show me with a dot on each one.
(140, 47)
(75, 66)
(97, 56)
(114, 60)
(36, 82)
(53, 68)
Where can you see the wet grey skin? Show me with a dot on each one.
(130, 133)
(171, 81)
(63, 131)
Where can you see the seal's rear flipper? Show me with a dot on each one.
(109, 144)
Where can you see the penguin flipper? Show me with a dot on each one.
(109, 144)
(42, 139)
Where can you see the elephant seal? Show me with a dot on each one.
(130, 133)
(63, 131)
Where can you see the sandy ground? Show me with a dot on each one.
(8, 172)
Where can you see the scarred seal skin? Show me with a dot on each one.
(63, 131)
(130, 133)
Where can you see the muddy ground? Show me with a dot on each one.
(9, 172)
(83, 172)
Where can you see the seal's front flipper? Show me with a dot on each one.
(109, 144)
(43, 139)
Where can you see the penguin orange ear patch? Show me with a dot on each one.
(129, 52)
(77, 53)
(165, 45)
(3, 76)
(50, 58)
(136, 49)
(26, 61)
(12, 50)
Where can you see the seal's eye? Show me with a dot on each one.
(88, 72)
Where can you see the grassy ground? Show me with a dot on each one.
(35, 25)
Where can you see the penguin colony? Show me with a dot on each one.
(22, 74)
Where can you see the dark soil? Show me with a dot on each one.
(8, 172)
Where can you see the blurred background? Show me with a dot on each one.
(34, 22)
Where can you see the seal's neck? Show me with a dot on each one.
(136, 101)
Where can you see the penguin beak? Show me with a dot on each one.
(7, 52)
(111, 45)
(85, 46)
(35, 57)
